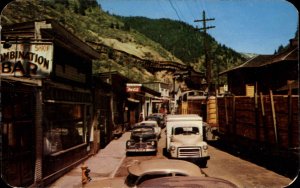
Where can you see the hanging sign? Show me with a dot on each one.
(26, 59)
(133, 88)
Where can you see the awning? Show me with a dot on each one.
(133, 100)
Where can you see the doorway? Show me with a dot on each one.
(18, 136)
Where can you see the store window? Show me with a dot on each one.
(65, 126)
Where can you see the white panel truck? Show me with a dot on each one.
(185, 138)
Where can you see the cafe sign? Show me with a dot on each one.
(26, 59)
(133, 88)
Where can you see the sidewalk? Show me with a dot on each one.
(104, 164)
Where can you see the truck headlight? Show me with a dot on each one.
(153, 143)
(128, 143)
(172, 148)
(205, 147)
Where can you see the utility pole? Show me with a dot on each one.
(206, 56)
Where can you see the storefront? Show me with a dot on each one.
(46, 102)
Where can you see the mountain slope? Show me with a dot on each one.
(183, 41)
(154, 40)
(92, 24)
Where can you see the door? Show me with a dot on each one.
(18, 136)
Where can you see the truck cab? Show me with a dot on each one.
(185, 138)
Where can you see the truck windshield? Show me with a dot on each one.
(186, 130)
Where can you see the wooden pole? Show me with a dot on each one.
(233, 116)
(274, 116)
(264, 117)
(290, 114)
(226, 114)
(257, 131)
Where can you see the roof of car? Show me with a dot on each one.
(157, 114)
(143, 126)
(148, 122)
(165, 165)
(187, 181)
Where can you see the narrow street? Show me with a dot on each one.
(221, 165)
(112, 162)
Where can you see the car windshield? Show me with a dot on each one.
(186, 130)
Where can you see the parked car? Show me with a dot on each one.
(165, 173)
(142, 139)
(159, 117)
(187, 181)
(153, 124)
(156, 168)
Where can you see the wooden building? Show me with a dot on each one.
(266, 72)
(46, 102)
(125, 104)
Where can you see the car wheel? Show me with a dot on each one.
(166, 153)
(154, 153)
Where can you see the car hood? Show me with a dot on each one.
(144, 137)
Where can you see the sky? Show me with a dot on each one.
(248, 26)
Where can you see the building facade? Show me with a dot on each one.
(46, 102)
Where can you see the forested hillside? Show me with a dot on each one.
(185, 42)
(158, 40)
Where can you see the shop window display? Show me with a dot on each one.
(65, 126)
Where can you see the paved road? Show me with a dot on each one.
(112, 162)
(223, 165)
(241, 172)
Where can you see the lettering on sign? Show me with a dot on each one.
(133, 88)
(31, 60)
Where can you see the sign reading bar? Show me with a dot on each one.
(28, 59)
(133, 88)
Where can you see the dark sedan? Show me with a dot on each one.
(142, 139)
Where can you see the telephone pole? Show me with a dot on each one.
(206, 56)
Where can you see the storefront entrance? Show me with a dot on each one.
(18, 136)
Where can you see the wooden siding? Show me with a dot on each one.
(243, 117)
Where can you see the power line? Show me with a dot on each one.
(182, 15)
(174, 10)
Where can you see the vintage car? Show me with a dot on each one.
(149, 169)
(159, 117)
(187, 181)
(142, 139)
(157, 168)
(153, 124)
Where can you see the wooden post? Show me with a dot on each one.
(226, 114)
(264, 118)
(257, 131)
(233, 116)
(274, 117)
(290, 114)
(38, 173)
